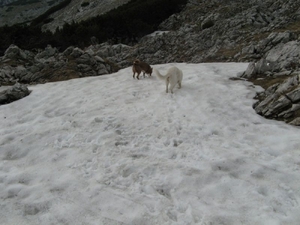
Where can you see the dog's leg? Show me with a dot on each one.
(172, 87)
(133, 75)
(138, 75)
(179, 84)
(144, 74)
(167, 84)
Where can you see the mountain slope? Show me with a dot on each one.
(79, 10)
(20, 11)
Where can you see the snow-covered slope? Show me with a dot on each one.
(114, 150)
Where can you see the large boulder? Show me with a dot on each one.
(286, 55)
(13, 52)
(13, 93)
(50, 65)
(280, 101)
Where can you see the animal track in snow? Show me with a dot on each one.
(164, 191)
(177, 143)
(121, 143)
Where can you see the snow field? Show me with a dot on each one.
(114, 150)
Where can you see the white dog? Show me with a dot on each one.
(173, 77)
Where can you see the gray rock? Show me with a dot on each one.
(86, 59)
(207, 24)
(84, 68)
(295, 122)
(251, 71)
(263, 66)
(14, 52)
(294, 96)
(287, 85)
(285, 54)
(77, 52)
(68, 51)
(276, 107)
(48, 52)
(14, 93)
(262, 106)
(50, 65)
(280, 100)
(282, 73)
(99, 59)
(290, 112)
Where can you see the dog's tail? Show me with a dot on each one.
(162, 77)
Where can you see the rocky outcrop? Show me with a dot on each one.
(204, 31)
(278, 71)
(13, 93)
(13, 11)
(23, 11)
(208, 31)
(49, 65)
(79, 10)
(280, 101)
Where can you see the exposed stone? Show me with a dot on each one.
(207, 24)
(287, 85)
(276, 107)
(263, 66)
(47, 53)
(50, 65)
(282, 73)
(250, 72)
(295, 122)
(77, 52)
(14, 93)
(14, 52)
(294, 96)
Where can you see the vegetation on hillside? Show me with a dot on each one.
(125, 24)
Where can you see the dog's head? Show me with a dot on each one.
(136, 62)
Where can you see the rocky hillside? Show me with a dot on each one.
(263, 33)
(21, 11)
(6, 2)
(79, 10)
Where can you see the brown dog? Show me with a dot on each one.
(136, 69)
(139, 66)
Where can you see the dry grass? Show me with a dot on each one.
(294, 27)
(266, 82)
(228, 53)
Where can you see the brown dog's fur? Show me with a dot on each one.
(136, 69)
(139, 66)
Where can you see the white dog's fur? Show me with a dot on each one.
(173, 77)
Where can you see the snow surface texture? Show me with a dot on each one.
(115, 150)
